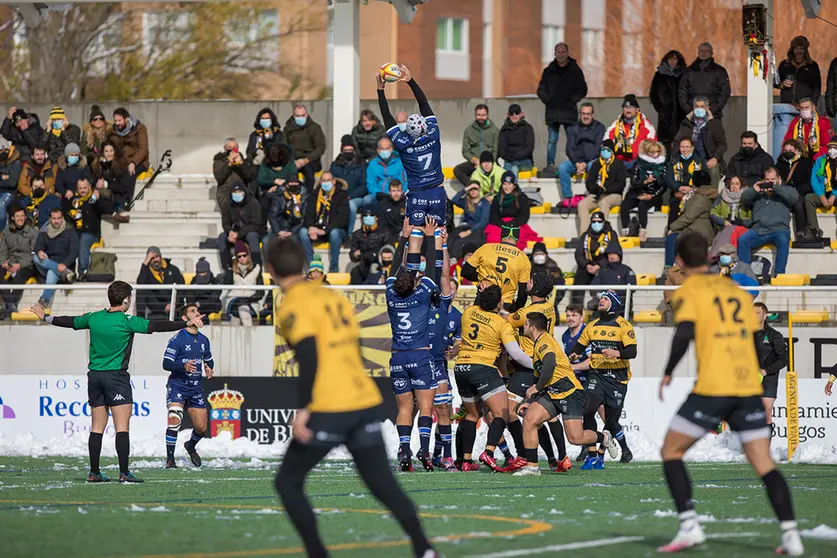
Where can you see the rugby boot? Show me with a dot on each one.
(405, 464)
(627, 457)
(516, 465)
(589, 461)
(563, 466)
(490, 462)
(458, 415)
(128, 478)
(97, 477)
(582, 455)
(193, 455)
(791, 543)
(599, 463)
(468, 466)
(527, 472)
(610, 444)
(170, 464)
(437, 461)
(448, 465)
(689, 535)
(425, 461)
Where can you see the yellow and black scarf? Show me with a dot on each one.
(32, 208)
(811, 145)
(689, 169)
(828, 173)
(75, 212)
(323, 207)
(600, 243)
(293, 204)
(604, 169)
(624, 142)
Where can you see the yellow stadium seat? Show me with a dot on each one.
(615, 210)
(31, 281)
(26, 316)
(562, 318)
(215, 317)
(831, 209)
(98, 244)
(647, 317)
(665, 210)
(338, 278)
(809, 316)
(448, 172)
(791, 280)
(146, 175)
(458, 210)
(569, 280)
(547, 206)
(321, 246)
(646, 279)
(536, 210)
(628, 242)
(187, 277)
(266, 278)
(525, 175)
(552, 243)
(269, 319)
(834, 244)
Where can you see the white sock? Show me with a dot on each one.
(788, 525)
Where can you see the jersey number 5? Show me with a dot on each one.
(426, 159)
(475, 333)
(730, 302)
(501, 266)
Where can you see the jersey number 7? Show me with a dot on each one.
(426, 159)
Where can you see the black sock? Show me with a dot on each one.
(196, 437)
(171, 442)
(437, 443)
(298, 462)
(779, 495)
(458, 441)
(94, 447)
(123, 450)
(557, 430)
(623, 442)
(469, 436)
(495, 432)
(516, 431)
(592, 453)
(532, 455)
(546, 443)
(599, 437)
(679, 484)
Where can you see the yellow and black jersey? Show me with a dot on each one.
(614, 333)
(483, 336)
(725, 321)
(563, 381)
(341, 382)
(518, 319)
(503, 265)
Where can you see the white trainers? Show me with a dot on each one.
(689, 535)
(643, 235)
(610, 444)
(791, 544)
(527, 472)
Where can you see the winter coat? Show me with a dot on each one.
(560, 89)
(281, 214)
(724, 211)
(91, 144)
(353, 172)
(738, 268)
(379, 174)
(24, 141)
(803, 170)
(477, 139)
(391, 216)
(516, 141)
(134, 145)
(308, 141)
(48, 171)
(645, 168)
(246, 216)
(592, 246)
(260, 138)
(713, 135)
(831, 89)
(584, 143)
(615, 273)
(243, 279)
(772, 350)
(674, 278)
(675, 179)
(338, 216)
(208, 302)
(614, 184)
(663, 93)
(626, 152)
(155, 301)
(705, 79)
(489, 183)
(116, 179)
(17, 246)
(369, 242)
(477, 219)
(55, 144)
(807, 82)
(61, 249)
(267, 174)
(770, 213)
(86, 216)
(38, 209)
(824, 125)
(366, 143)
(694, 216)
(226, 174)
(518, 210)
(818, 180)
(68, 176)
(10, 169)
(750, 168)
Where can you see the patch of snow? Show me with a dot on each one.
(820, 532)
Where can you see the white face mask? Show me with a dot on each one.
(539, 259)
(807, 114)
(832, 153)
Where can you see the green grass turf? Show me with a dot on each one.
(47, 509)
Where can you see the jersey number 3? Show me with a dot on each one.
(404, 322)
(475, 333)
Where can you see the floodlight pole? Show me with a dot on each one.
(760, 89)
(345, 106)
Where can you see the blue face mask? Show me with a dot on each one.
(607, 154)
(238, 197)
(265, 123)
(72, 160)
(326, 186)
(597, 227)
(369, 221)
(686, 157)
(725, 259)
(700, 113)
(300, 120)
(402, 126)
(422, 266)
(56, 124)
(385, 154)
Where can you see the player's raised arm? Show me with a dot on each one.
(445, 279)
(424, 105)
(400, 256)
(383, 105)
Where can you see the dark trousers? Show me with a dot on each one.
(582, 277)
(455, 244)
(800, 220)
(673, 209)
(12, 298)
(632, 201)
(225, 249)
(308, 172)
(125, 194)
(463, 172)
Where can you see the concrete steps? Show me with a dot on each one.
(164, 206)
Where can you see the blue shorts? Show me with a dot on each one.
(440, 371)
(421, 203)
(188, 393)
(411, 371)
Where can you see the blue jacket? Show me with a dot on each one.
(818, 176)
(379, 174)
(477, 220)
(584, 143)
(354, 173)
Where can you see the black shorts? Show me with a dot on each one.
(520, 381)
(770, 385)
(571, 406)
(354, 429)
(701, 413)
(603, 388)
(110, 388)
(477, 380)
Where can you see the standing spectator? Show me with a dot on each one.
(308, 141)
(591, 252)
(480, 136)
(823, 183)
(476, 212)
(85, 209)
(130, 138)
(350, 168)
(516, 142)
(366, 134)
(39, 201)
(17, 243)
(10, 168)
(648, 182)
(510, 207)
(795, 171)
(208, 301)
(383, 169)
(110, 171)
(326, 217)
(542, 263)
(94, 134)
(364, 247)
(156, 304)
(751, 161)
(680, 176)
(771, 202)
(37, 165)
(694, 214)
(287, 209)
(59, 134)
(489, 176)
(605, 183)
(23, 131)
(243, 214)
(811, 130)
(72, 167)
(664, 96)
(708, 137)
(584, 144)
(614, 272)
(55, 253)
(728, 210)
(705, 78)
(266, 131)
(629, 130)
(276, 169)
(561, 88)
(799, 76)
(228, 167)
(242, 302)
(391, 209)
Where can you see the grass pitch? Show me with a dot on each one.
(228, 509)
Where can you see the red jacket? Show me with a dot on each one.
(646, 132)
(825, 135)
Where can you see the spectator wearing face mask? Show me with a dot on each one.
(364, 247)
(287, 209)
(38, 165)
(605, 183)
(614, 272)
(510, 207)
(476, 214)
(72, 167)
(694, 214)
(10, 168)
(383, 169)
(156, 304)
(729, 266)
(751, 161)
(680, 175)
(39, 202)
(208, 301)
(241, 213)
(795, 171)
(489, 176)
(810, 129)
(708, 136)
(266, 131)
(366, 134)
(23, 130)
(228, 167)
(823, 184)
(381, 269)
(542, 263)
(647, 186)
(59, 134)
(590, 254)
(350, 168)
(326, 218)
(309, 143)
(391, 210)
(84, 210)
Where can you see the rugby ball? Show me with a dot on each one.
(391, 72)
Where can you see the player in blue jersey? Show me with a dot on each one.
(187, 357)
(580, 365)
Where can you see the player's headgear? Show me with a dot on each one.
(615, 301)
(541, 285)
(509, 234)
(416, 125)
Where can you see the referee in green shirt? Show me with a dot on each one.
(108, 382)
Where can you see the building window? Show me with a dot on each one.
(592, 61)
(257, 34)
(452, 35)
(164, 30)
(99, 57)
(551, 36)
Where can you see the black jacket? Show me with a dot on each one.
(517, 141)
(246, 216)
(518, 210)
(208, 302)
(709, 80)
(26, 140)
(801, 177)
(664, 97)
(560, 89)
(615, 273)
(713, 134)
(55, 144)
(807, 82)
(772, 350)
(584, 143)
(281, 213)
(62, 249)
(596, 252)
(831, 89)
(353, 172)
(644, 169)
(68, 176)
(86, 217)
(155, 301)
(751, 168)
(615, 182)
(391, 216)
(338, 216)
(260, 138)
(226, 175)
(368, 242)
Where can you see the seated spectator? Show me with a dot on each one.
(810, 129)
(705, 77)
(480, 136)
(488, 176)
(799, 75)
(364, 247)
(823, 183)
(516, 141)
(629, 130)
(316, 270)
(308, 142)
(208, 301)
(287, 209)
(350, 168)
(605, 183)
(55, 253)
(590, 254)
(94, 134)
(37, 165)
(614, 272)
(728, 210)
(39, 203)
(584, 143)
(366, 134)
(110, 171)
(542, 263)
(23, 131)
(391, 210)
(156, 304)
(17, 243)
(729, 266)
(266, 131)
(467, 251)
(10, 169)
(663, 93)
(694, 214)
(276, 168)
(647, 186)
(771, 202)
(680, 175)
(243, 214)
(228, 167)
(383, 169)
(84, 210)
(674, 277)
(242, 302)
(59, 134)
(476, 213)
(751, 161)
(130, 138)
(510, 207)
(708, 137)
(72, 167)
(795, 171)
(381, 269)
(326, 218)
